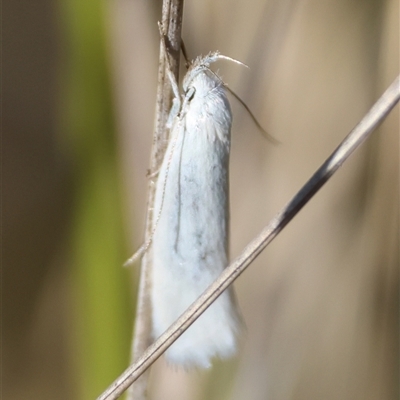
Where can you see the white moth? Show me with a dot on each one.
(191, 228)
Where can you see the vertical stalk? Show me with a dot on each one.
(172, 11)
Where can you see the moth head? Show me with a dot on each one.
(199, 74)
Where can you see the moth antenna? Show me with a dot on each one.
(143, 249)
(145, 246)
(220, 56)
(246, 107)
(265, 133)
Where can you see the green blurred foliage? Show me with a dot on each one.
(100, 343)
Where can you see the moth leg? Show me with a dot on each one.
(171, 76)
(176, 106)
(188, 96)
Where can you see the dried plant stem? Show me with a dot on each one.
(354, 139)
(172, 11)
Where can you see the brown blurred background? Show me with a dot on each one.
(320, 304)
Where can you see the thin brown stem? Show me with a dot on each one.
(172, 11)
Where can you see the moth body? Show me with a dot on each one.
(190, 242)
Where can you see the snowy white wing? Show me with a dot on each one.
(190, 242)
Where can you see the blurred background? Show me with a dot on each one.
(320, 304)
